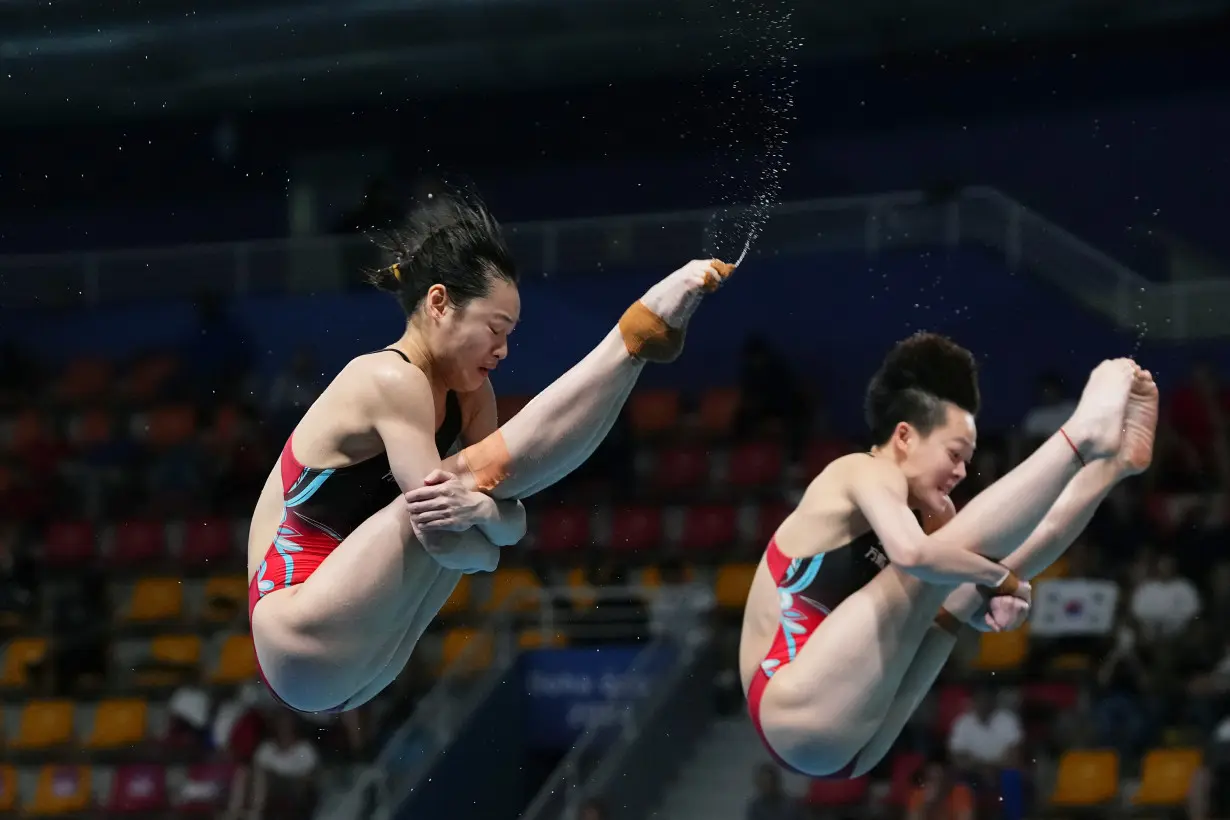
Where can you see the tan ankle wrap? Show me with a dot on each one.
(488, 461)
(648, 337)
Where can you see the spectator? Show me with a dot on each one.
(190, 713)
(940, 796)
(1125, 712)
(284, 768)
(1209, 793)
(1164, 603)
(771, 801)
(985, 739)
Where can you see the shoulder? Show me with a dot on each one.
(848, 474)
(388, 382)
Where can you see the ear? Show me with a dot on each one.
(437, 301)
(904, 435)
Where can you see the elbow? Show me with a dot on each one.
(908, 557)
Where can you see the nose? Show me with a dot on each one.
(960, 471)
(501, 352)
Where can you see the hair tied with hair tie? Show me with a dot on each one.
(396, 268)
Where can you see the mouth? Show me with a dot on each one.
(485, 371)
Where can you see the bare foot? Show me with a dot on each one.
(677, 296)
(1139, 426)
(1097, 424)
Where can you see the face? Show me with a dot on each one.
(471, 341)
(936, 463)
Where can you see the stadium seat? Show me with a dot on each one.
(28, 429)
(680, 467)
(580, 590)
(755, 465)
(138, 789)
(44, 724)
(508, 406)
(205, 789)
(170, 656)
(225, 596)
(459, 600)
(651, 577)
(467, 650)
(820, 454)
(60, 790)
(208, 543)
(951, 702)
(18, 656)
(91, 428)
(156, 599)
(562, 529)
(84, 378)
(768, 519)
(718, 407)
(169, 425)
(1166, 776)
(636, 528)
(732, 585)
(8, 789)
(147, 378)
(138, 542)
(838, 793)
(1086, 778)
(652, 412)
(1002, 651)
(118, 722)
(710, 527)
(513, 590)
(1050, 696)
(236, 661)
(906, 766)
(537, 639)
(68, 543)
(1059, 569)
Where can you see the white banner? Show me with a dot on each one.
(1073, 606)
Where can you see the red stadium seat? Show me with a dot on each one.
(769, 518)
(755, 464)
(137, 542)
(69, 542)
(205, 789)
(822, 453)
(563, 529)
(836, 793)
(682, 467)
(710, 527)
(906, 766)
(208, 543)
(652, 412)
(137, 789)
(718, 407)
(953, 701)
(636, 528)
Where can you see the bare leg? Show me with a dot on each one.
(1062, 525)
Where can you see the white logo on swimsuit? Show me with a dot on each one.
(877, 557)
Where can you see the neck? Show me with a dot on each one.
(414, 344)
(890, 455)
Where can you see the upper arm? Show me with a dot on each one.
(479, 415)
(879, 491)
(404, 416)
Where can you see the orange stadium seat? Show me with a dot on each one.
(514, 590)
(44, 724)
(138, 542)
(18, 656)
(60, 790)
(651, 577)
(225, 596)
(146, 379)
(118, 722)
(653, 411)
(237, 660)
(84, 378)
(156, 599)
(1086, 778)
(755, 464)
(208, 543)
(564, 528)
(1002, 651)
(1166, 776)
(718, 407)
(467, 650)
(170, 425)
(459, 601)
(580, 591)
(537, 639)
(732, 584)
(681, 467)
(710, 527)
(169, 657)
(636, 528)
(8, 789)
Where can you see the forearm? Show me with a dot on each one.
(947, 565)
(502, 521)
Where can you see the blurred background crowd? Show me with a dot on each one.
(180, 258)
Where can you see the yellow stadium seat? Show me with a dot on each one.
(169, 651)
(17, 658)
(732, 585)
(224, 596)
(514, 590)
(237, 661)
(156, 599)
(459, 601)
(1089, 778)
(117, 723)
(579, 589)
(467, 650)
(1001, 651)
(651, 577)
(1059, 569)
(1166, 777)
(8, 789)
(1071, 662)
(60, 790)
(44, 724)
(537, 639)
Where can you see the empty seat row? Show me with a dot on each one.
(137, 789)
(206, 543)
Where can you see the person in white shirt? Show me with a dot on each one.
(986, 739)
(283, 769)
(1165, 603)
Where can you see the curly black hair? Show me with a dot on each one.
(918, 377)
